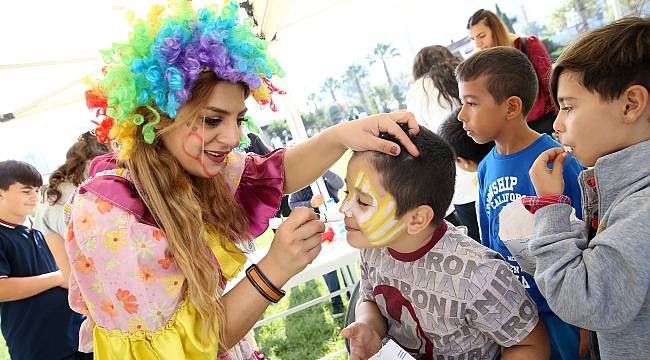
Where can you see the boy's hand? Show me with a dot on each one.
(548, 181)
(364, 341)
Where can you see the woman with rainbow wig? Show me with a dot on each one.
(162, 225)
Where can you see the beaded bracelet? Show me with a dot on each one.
(263, 285)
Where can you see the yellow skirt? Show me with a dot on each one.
(177, 340)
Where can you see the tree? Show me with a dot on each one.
(383, 52)
(330, 86)
(354, 74)
(554, 50)
(314, 99)
(634, 7)
(506, 20)
(277, 126)
(534, 28)
(382, 93)
(336, 114)
(399, 96)
(583, 9)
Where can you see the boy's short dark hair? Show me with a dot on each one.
(608, 59)
(13, 171)
(508, 71)
(427, 179)
(451, 130)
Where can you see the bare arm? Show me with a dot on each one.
(368, 313)
(57, 246)
(305, 162)
(18, 288)
(535, 346)
(296, 244)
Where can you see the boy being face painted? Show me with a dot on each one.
(369, 209)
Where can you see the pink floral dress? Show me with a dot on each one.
(123, 275)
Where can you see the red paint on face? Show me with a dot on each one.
(195, 141)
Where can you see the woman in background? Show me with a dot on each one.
(62, 183)
(487, 30)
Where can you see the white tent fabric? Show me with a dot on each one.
(46, 47)
(40, 77)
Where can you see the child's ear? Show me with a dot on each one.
(514, 107)
(418, 219)
(635, 103)
(464, 163)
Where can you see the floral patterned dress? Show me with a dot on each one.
(123, 275)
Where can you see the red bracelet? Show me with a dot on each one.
(534, 203)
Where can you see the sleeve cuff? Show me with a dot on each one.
(534, 203)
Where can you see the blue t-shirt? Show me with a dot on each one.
(504, 178)
(41, 326)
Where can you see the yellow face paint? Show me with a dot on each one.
(376, 220)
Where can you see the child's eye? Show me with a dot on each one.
(362, 204)
(566, 108)
(211, 121)
(240, 121)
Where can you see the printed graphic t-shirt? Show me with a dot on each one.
(451, 299)
(504, 179)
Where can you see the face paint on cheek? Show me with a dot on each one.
(377, 220)
(193, 145)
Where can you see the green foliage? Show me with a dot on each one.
(336, 113)
(534, 28)
(399, 96)
(330, 85)
(382, 52)
(4, 353)
(355, 74)
(634, 7)
(554, 50)
(308, 334)
(584, 9)
(506, 20)
(277, 126)
(383, 93)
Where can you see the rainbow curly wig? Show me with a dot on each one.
(163, 58)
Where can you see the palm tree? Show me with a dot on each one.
(355, 73)
(581, 9)
(330, 86)
(383, 52)
(314, 99)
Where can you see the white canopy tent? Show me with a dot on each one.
(47, 47)
(42, 108)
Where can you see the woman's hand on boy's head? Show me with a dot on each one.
(363, 134)
(549, 181)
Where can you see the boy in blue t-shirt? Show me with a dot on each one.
(498, 87)
(37, 322)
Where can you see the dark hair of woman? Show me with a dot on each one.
(438, 63)
(73, 170)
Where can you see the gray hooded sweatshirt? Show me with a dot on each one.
(602, 284)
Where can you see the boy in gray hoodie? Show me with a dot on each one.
(597, 277)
